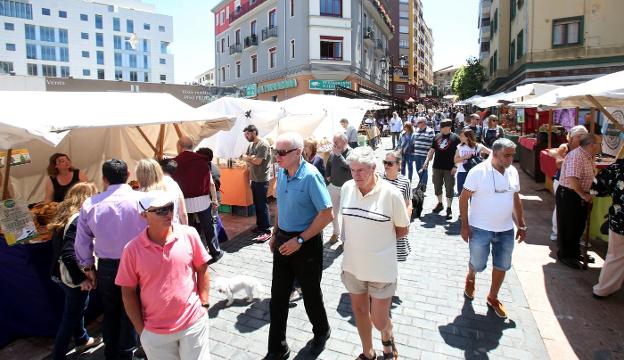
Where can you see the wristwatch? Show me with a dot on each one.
(523, 228)
(300, 240)
(86, 269)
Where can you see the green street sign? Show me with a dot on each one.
(251, 90)
(278, 85)
(328, 84)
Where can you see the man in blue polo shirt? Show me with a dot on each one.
(304, 208)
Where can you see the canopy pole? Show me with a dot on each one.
(605, 112)
(7, 172)
(592, 121)
(576, 118)
(177, 129)
(161, 141)
(147, 140)
(550, 123)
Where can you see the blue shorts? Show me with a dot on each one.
(502, 248)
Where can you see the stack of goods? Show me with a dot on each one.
(42, 215)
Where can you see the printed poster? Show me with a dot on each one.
(16, 222)
(18, 157)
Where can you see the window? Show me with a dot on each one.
(99, 39)
(86, 72)
(331, 48)
(118, 75)
(16, 9)
(116, 24)
(129, 26)
(145, 45)
(163, 77)
(31, 51)
(118, 61)
(164, 44)
(63, 37)
(84, 17)
(292, 8)
(32, 69)
(272, 57)
(127, 44)
(254, 64)
(513, 9)
(9, 26)
(85, 54)
(272, 19)
(238, 69)
(223, 74)
(132, 60)
(237, 36)
(520, 44)
(64, 54)
(117, 42)
(100, 57)
(44, 11)
(98, 22)
(403, 29)
(10, 47)
(403, 15)
(48, 53)
(495, 60)
(161, 28)
(30, 32)
(512, 52)
(145, 62)
(145, 77)
(6, 67)
(398, 88)
(84, 36)
(162, 61)
(65, 71)
(146, 26)
(100, 74)
(567, 31)
(46, 33)
(331, 8)
(403, 44)
(252, 27)
(48, 70)
(292, 49)
(62, 14)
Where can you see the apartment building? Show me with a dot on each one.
(278, 49)
(557, 41)
(442, 79)
(484, 29)
(207, 78)
(104, 40)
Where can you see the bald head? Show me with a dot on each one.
(185, 143)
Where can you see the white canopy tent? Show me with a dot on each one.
(489, 101)
(470, 101)
(528, 91)
(607, 90)
(99, 126)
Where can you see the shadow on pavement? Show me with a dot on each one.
(344, 308)
(476, 334)
(330, 255)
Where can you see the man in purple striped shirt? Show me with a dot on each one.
(113, 218)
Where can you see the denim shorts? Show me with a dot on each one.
(502, 248)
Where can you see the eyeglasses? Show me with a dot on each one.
(389, 163)
(283, 152)
(496, 189)
(162, 211)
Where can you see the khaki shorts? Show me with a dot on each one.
(377, 290)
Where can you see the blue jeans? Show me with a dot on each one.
(72, 323)
(420, 161)
(259, 192)
(502, 248)
(117, 330)
(461, 179)
(407, 161)
(204, 223)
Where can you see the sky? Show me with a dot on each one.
(454, 25)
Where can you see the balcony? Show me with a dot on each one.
(269, 32)
(251, 40)
(379, 48)
(244, 9)
(236, 49)
(369, 36)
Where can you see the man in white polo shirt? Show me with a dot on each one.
(492, 190)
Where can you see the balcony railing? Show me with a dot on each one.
(251, 40)
(236, 48)
(244, 9)
(269, 32)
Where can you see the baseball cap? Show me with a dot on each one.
(154, 199)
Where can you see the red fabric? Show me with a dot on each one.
(530, 124)
(527, 142)
(193, 174)
(548, 164)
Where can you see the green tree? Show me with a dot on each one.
(468, 80)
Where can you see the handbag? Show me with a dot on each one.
(403, 249)
(65, 275)
(475, 160)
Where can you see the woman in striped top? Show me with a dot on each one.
(393, 176)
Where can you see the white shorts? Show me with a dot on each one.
(191, 343)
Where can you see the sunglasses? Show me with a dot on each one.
(283, 152)
(389, 163)
(162, 211)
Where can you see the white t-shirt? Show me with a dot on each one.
(174, 191)
(489, 209)
(369, 222)
(465, 150)
(459, 118)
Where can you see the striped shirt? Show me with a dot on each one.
(423, 139)
(402, 183)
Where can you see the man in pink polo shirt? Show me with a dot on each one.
(169, 264)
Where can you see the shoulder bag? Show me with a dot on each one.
(65, 275)
(475, 160)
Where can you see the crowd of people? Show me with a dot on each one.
(154, 244)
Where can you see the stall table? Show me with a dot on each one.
(548, 165)
(236, 189)
(529, 150)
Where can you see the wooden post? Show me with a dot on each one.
(605, 112)
(592, 121)
(178, 131)
(161, 142)
(550, 123)
(576, 118)
(146, 139)
(7, 172)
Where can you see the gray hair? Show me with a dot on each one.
(362, 155)
(342, 136)
(421, 119)
(577, 130)
(587, 139)
(395, 154)
(294, 139)
(502, 144)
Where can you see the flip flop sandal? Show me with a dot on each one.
(391, 355)
(363, 357)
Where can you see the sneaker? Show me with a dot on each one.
(438, 208)
(498, 307)
(449, 214)
(91, 342)
(333, 239)
(295, 294)
(469, 289)
(553, 237)
(262, 238)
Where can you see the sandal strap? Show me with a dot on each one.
(363, 357)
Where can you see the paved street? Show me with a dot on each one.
(432, 319)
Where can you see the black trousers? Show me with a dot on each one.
(204, 223)
(571, 221)
(305, 265)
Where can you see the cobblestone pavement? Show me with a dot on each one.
(432, 320)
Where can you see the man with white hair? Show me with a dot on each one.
(423, 139)
(337, 172)
(303, 210)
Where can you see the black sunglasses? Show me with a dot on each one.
(283, 152)
(389, 163)
(162, 211)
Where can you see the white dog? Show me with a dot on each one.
(230, 286)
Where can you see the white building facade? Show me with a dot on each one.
(108, 40)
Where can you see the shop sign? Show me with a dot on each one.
(18, 157)
(329, 84)
(16, 222)
(520, 116)
(251, 90)
(279, 85)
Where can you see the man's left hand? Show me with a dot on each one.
(520, 235)
(289, 247)
(453, 171)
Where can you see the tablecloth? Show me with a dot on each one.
(548, 164)
(528, 142)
